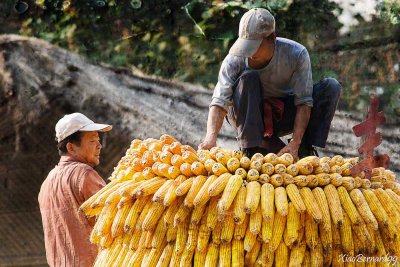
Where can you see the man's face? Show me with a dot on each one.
(264, 51)
(89, 149)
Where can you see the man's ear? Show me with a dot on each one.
(70, 148)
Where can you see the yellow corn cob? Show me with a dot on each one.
(336, 160)
(134, 242)
(256, 165)
(233, 164)
(177, 160)
(345, 168)
(267, 201)
(187, 257)
(255, 221)
(297, 254)
(106, 219)
(237, 253)
(376, 185)
(137, 164)
(240, 229)
(266, 230)
(159, 233)
(203, 235)
(250, 258)
(363, 208)
(304, 168)
(294, 195)
(277, 232)
(389, 205)
(264, 178)
(348, 183)
(175, 259)
(322, 168)
(300, 180)
(389, 175)
(173, 172)
(171, 233)
(336, 179)
(185, 169)
(149, 187)
(276, 180)
(185, 148)
(98, 199)
(181, 236)
(287, 179)
(253, 193)
(190, 157)
(203, 155)
(197, 214)
(267, 256)
(237, 153)
(245, 163)
(241, 172)
(154, 168)
(225, 253)
(292, 169)
(239, 204)
(222, 157)
(182, 213)
(167, 139)
(208, 164)
(282, 255)
(165, 257)
(113, 197)
(395, 198)
(114, 250)
(143, 214)
(148, 173)
(184, 187)
(162, 191)
(307, 259)
(199, 259)
(293, 224)
(219, 169)
(253, 175)
(163, 169)
(326, 240)
(219, 184)
(280, 168)
(311, 232)
(175, 147)
(257, 156)
(316, 255)
(271, 158)
(346, 235)
(212, 215)
(348, 206)
(117, 227)
(311, 205)
(153, 216)
(202, 196)
(216, 233)
(171, 196)
(322, 202)
(313, 160)
(323, 179)
(285, 159)
(172, 210)
(198, 182)
(336, 169)
(336, 243)
(212, 255)
(267, 168)
(233, 186)
(281, 201)
(228, 229)
(249, 240)
(198, 168)
(165, 157)
(312, 181)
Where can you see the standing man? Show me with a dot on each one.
(265, 90)
(72, 181)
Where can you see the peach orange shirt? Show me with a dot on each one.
(66, 230)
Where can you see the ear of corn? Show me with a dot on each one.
(167, 206)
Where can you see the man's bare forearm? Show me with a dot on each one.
(300, 123)
(215, 120)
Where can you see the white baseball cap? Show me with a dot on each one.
(72, 123)
(255, 24)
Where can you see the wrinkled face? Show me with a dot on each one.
(89, 149)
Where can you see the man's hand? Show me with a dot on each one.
(208, 143)
(291, 148)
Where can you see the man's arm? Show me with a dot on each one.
(216, 117)
(301, 120)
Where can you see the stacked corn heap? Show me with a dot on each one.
(169, 205)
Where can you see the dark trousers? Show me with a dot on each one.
(246, 115)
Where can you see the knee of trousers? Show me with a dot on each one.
(331, 87)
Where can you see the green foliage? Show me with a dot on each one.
(188, 39)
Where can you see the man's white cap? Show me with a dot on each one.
(255, 24)
(72, 123)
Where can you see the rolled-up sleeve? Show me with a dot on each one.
(230, 70)
(90, 183)
(301, 81)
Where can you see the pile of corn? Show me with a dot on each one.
(169, 205)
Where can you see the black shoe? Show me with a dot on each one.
(250, 151)
(307, 150)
